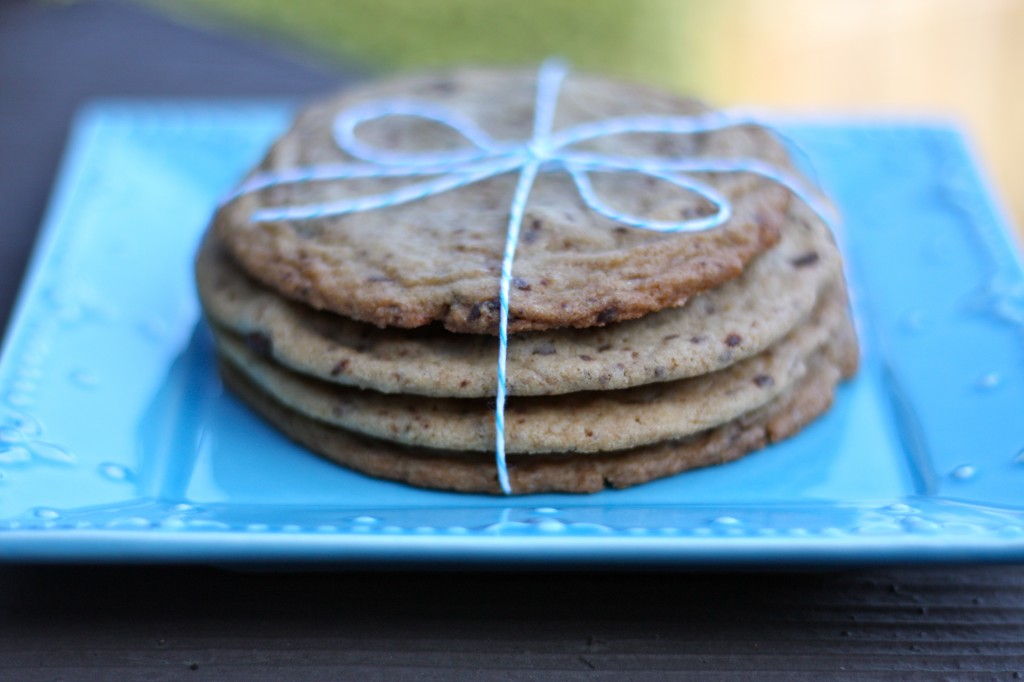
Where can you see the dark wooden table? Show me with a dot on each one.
(170, 622)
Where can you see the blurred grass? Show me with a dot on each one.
(961, 59)
(653, 41)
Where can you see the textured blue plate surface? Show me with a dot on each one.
(117, 441)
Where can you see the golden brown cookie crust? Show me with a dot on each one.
(592, 421)
(727, 324)
(573, 473)
(438, 259)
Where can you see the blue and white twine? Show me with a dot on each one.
(546, 151)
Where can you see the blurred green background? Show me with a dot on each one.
(956, 59)
(637, 39)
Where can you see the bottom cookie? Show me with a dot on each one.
(576, 473)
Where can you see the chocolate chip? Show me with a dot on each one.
(544, 349)
(464, 383)
(532, 231)
(339, 368)
(670, 337)
(697, 339)
(660, 372)
(478, 309)
(763, 380)
(733, 340)
(590, 434)
(803, 261)
(259, 344)
(520, 283)
(609, 314)
(586, 358)
(691, 212)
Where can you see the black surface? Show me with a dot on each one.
(205, 624)
(173, 622)
(54, 57)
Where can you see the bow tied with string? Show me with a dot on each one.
(546, 151)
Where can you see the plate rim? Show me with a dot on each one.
(48, 539)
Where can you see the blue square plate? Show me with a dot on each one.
(118, 443)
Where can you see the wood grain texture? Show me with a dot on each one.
(133, 622)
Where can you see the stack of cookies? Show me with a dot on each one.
(370, 337)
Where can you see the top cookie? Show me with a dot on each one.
(438, 258)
